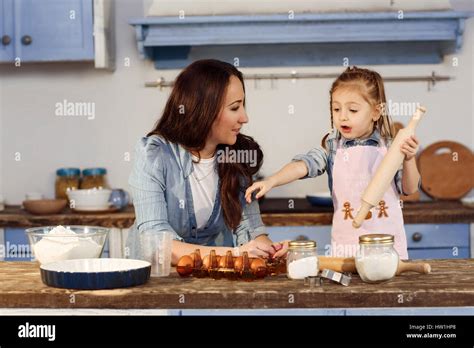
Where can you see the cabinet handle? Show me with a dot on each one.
(6, 40)
(417, 236)
(26, 40)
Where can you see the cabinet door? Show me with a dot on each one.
(54, 30)
(6, 31)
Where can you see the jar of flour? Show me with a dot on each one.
(302, 259)
(377, 259)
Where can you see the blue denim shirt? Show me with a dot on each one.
(163, 200)
(319, 160)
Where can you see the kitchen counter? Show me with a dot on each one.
(451, 284)
(275, 212)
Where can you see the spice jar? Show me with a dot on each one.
(302, 259)
(66, 179)
(376, 260)
(94, 178)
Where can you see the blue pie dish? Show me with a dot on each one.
(94, 274)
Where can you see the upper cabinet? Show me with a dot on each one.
(52, 30)
(306, 39)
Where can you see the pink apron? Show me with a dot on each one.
(352, 171)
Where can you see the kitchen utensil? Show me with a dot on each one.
(157, 248)
(58, 243)
(45, 206)
(92, 274)
(89, 199)
(347, 264)
(119, 198)
(446, 169)
(386, 170)
(320, 199)
(415, 197)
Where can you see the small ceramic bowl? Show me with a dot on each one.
(45, 206)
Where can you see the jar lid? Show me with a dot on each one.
(94, 171)
(68, 172)
(376, 239)
(302, 244)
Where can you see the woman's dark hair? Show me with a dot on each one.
(195, 103)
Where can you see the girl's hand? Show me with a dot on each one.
(410, 147)
(281, 248)
(263, 187)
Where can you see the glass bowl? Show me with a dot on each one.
(57, 243)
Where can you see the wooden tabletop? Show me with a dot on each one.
(451, 284)
(275, 212)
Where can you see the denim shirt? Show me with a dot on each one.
(319, 160)
(163, 200)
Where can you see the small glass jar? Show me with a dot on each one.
(302, 259)
(376, 260)
(94, 178)
(66, 179)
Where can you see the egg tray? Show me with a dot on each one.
(229, 267)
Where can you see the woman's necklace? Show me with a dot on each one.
(203, 177)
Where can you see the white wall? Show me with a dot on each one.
(126, 110)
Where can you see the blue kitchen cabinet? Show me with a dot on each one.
(47, 30)
(6, 30)
(425, 241)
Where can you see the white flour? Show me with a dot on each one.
(302, 268)
(377, 267)
(65, 247)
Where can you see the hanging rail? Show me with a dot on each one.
(431, 79)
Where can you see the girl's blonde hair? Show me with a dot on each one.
(370, 85)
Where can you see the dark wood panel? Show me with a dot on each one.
(275, 212)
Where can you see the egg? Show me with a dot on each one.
(238, 263)
(258, 267)
(185, 266)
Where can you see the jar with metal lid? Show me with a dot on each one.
(94, 178)
(302, 259)
(66, 179)
(377, 260)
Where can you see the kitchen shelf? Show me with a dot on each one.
(421, 37)
(274, 212)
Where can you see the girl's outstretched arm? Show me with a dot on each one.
(289, 173)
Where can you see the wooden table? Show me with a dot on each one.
(275, 212)
(451, 284)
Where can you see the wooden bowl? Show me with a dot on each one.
(45, 206)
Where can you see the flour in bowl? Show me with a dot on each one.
(64, 244)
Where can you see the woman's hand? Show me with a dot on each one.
(263, 187)
(410, 147)
(281, 249)
(257, 248)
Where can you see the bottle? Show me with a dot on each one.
(66, 179)
(377, 260)
(94, 178)
(302, 259)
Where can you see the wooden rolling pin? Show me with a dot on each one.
(347, 264)
(386, 170)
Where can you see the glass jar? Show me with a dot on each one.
(66, 179)
(302, 259)
(94, 178)
(376, 260)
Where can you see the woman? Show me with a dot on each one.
(182, 182)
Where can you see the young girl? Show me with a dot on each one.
(351, 153)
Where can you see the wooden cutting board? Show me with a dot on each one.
(446, 169)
